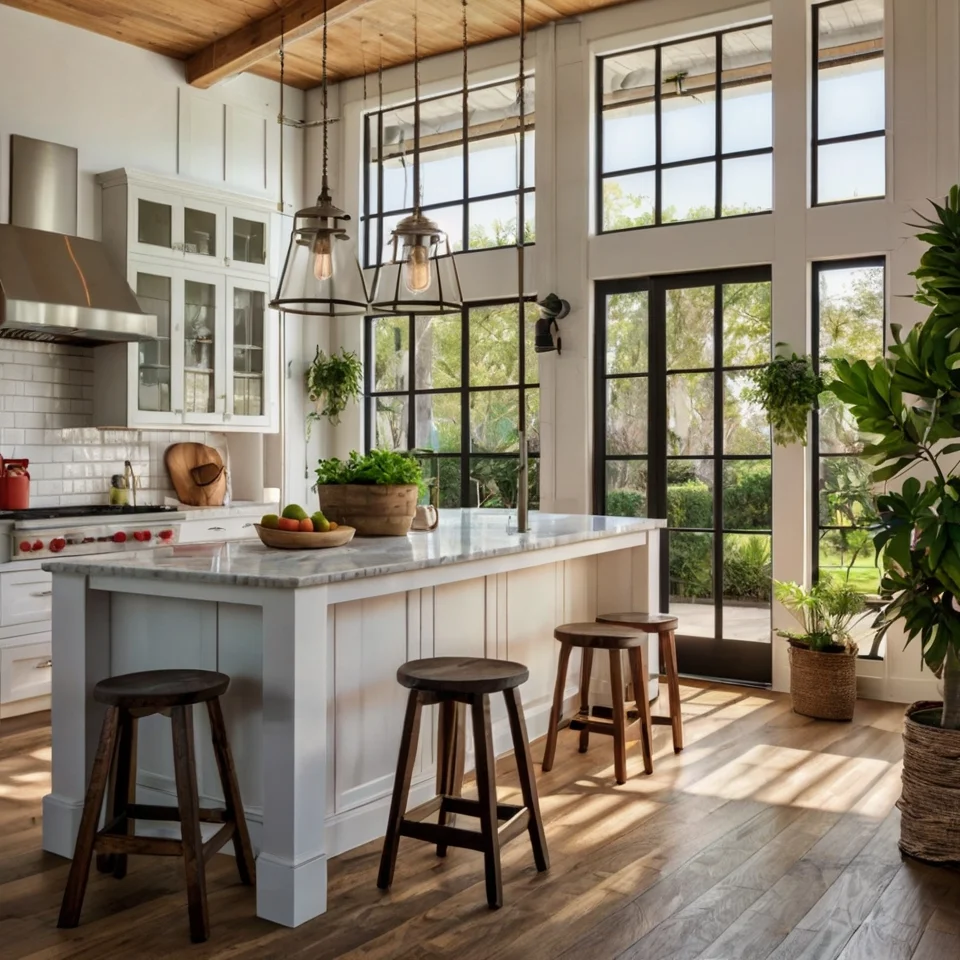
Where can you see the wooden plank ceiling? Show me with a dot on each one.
(219, 38)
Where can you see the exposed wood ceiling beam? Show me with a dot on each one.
(256, 41)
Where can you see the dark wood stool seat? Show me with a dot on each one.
(128, 698)
(455, 683)
(614, 639)
(160, 689)
(665, 627)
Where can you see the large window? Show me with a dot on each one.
(685, 130)
(469, 187)
(677, 437)
(848, 312)
(849, 102)
(462, 388)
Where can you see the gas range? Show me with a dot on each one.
(45, 532)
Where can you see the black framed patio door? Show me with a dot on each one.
(678, 437)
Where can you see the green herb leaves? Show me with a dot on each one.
(332, 382)
(378, 466)
(787, 388)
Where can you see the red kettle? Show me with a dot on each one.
(14, 484)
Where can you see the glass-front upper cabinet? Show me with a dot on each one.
(248, 240)
(250, 353)
(203, 347)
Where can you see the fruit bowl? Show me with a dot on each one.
(300, 540)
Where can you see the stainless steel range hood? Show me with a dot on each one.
(55, 286)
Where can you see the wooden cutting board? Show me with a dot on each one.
(197, 474)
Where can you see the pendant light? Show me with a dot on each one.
(421, 277)
(321, 275)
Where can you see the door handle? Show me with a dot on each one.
(43, 593)
(43, 665)
(216, 528)
(247, 525)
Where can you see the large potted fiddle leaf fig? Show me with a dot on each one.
(908, 405)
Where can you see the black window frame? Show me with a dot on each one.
(816, 267)
(377, 216)
(815, 140)
(658, 166)
(464, 391)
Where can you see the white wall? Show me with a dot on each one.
(923, 144)
(125, 107)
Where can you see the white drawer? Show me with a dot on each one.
(225, 528)
(25, 597)
(25, 670)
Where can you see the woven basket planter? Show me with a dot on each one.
(823, 685)
(373, 510)
(930, 802)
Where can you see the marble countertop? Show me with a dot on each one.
(462, 535)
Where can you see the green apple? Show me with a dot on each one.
(294, 512)
(270, 520)
(320, 523)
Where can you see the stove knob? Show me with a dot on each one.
(119, 537)
(57, 544)
(166, 534)
(37, 544)
(147, 534)
(25, 546)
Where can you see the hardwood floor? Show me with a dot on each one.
(770, 836)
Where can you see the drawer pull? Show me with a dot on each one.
(43, 593)
(216, 528)
(43, 665)
(246, 525)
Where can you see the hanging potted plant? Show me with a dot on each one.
(332, 382)
(823, 656)
(909, 404)
(787, 388)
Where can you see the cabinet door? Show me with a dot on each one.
(204, 349)
(251, 357)
(248, 240)
(155, 374)
(203, 233)
(155, 223)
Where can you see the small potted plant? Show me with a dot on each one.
(908, 405)
(787, 388)
(332, 382)
(376, 493)
(823, 656)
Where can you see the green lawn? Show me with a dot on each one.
(864, 574)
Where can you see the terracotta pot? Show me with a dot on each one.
(374, 510)
(823, 685)
(930, 801)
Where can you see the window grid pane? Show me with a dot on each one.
(686, 130)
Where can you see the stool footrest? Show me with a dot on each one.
(601, 725)
(146, 846)
(471, 808)
(517, 819)
(435, 834)
(149, 811)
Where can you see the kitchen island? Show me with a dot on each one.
(312, 641)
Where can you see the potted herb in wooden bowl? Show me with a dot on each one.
(908, 405)
(823, 657)
(375, 493)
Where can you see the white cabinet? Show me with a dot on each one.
(25, 673)
(222, 528)
(198, 260)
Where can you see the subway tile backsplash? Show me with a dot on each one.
(46, 415)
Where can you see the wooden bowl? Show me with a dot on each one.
(300, 540)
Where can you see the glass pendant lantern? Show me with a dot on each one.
(321, 274)
(421, 276)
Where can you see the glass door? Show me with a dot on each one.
(249, 353)
(203, 347)
(203, 233)
(247, 240)
(153, 223)
(678, 438)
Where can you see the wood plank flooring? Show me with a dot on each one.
(770, 836)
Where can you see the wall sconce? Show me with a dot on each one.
(547, 331)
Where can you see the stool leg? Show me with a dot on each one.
(487, 796)
(668, 656)
(619, 718)
(124, 785)
(83, 852)
(641, 682)
(586, 666)
(401, 789)
(450, 758)
(231, 794)
(185, 769)
(550, 748)
(528, 780)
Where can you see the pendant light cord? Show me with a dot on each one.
(466, 97)
(521, 207)
(323, 182)
(280, 118)
(416, 107)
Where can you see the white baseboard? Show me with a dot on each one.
(19, 708)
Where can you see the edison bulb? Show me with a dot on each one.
(322, 259)
(416, 270)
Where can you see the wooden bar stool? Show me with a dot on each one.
(665, 627)
(452, 682)
(598, 636)
(129, 697)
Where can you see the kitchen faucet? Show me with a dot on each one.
(522, 488)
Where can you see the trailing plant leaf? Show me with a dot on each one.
(787, 388)
(332, 382)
